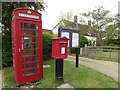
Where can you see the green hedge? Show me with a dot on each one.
(47, 45)
(7, 52)
(83, 41)
(6, 48)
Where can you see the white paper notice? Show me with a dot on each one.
(63, 50)
(75, 39)
(65, 34)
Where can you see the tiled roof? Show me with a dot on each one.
(84, 29)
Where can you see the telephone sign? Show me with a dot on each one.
(27, 45)
(29, 16)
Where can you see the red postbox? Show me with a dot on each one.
(60, 47)
(27, 45)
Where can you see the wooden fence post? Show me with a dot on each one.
(110, 52)
(86, 50)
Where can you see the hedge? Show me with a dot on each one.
(47, 45)
(7, 52)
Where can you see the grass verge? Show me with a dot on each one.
(82, 77)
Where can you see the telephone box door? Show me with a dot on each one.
(30, 52)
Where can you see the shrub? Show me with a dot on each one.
(112, 42)
(6, 59)
(83, 41)
(6, 48)
(47, 45)
(7, 52)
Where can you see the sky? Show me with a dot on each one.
(55, 7)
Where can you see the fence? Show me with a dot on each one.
(103, 53)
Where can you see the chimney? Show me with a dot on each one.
(89, 22)
(75, 19)
(119, 7)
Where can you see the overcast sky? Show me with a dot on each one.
(54, 7)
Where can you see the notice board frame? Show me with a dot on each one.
(69, 30)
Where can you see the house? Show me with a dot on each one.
(86, 30)
(47, 31)
(92, 39)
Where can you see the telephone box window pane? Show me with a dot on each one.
(21, 25)
(29, 39)
(29, 52)
(30, 46)
(29, 59)
(30, 72)
(30, 65)
(30, 26)
(30, 33)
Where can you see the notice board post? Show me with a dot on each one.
(74, 38)
(77, 49)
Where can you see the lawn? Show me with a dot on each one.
(82, 77)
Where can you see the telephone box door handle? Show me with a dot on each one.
(19, 50)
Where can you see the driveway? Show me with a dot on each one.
(106, 67)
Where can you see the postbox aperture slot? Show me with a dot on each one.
(63, 42)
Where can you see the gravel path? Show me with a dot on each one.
(106, 67)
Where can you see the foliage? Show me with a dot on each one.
(47, 45)
(6, 49)
(112, 42)
(65, 18)
(100, 19)
(111, 33)
(7, 8)
(83, 41)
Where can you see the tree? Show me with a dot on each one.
(7, 8)
(111, 33)
(64, 19)
(99, 18)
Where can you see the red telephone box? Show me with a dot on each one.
(27, 45)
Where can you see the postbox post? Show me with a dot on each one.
(59, 52)
(59, 69)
